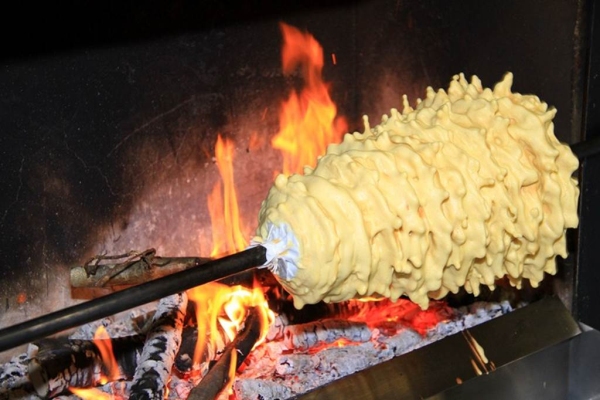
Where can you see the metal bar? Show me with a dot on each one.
(441, 365)
(587, 148)
(92, 310)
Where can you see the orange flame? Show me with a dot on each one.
(220, 313)
(228, 236)
(91, 394)
(104, 345)
(307, 120)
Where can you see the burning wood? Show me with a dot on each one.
(162, 344)
(14, 380)
(304, 336)
(298, 358)
(62, 363)
(232, 358)
(271, 370)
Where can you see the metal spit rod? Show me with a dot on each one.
(49, 324)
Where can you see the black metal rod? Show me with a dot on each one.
(102, 307)
(587, 148)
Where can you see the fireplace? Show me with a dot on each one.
(112, 117)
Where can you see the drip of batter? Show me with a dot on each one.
(470, 186)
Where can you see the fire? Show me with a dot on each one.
(104, 345)
(220, 313)
(376, 313)
(307, 120)
(308, 124)
(91, 394)
(342, 342)
(228, 236)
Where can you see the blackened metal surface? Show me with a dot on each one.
(30, 31)
(588, 148)
(587, 295)
(439, 366)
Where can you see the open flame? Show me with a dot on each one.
(91, 394)
(228, 233)
(308, 120)
(220, 313)
(308, 124)
(103, 342)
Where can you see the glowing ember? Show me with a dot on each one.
(374, 313)
(228, 236)
(307, 120)
(342, 342)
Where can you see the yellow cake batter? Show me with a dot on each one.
(470, 186)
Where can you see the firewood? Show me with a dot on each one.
(305, 336)
(160, 349)
(218, 376)
(129, 269)
(252, 388)
(14, 381)
(61, 363)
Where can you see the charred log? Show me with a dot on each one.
(218, 376)
(160, 349)
(253, 388)
(60, 363)
(305, 336)
(184, 359)
(14, 381)
(129, 269)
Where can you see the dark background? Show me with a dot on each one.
(109, 110)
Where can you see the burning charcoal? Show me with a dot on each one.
(403, 342)
(254, 388)
(277, 328)
(269, 366)
(342, 361)
(180, 388)
(295, 363)
(305, 336)
(162, 343)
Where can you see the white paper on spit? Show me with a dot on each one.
(282, 250)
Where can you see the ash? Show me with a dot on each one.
(275, 371)
(282, 367)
